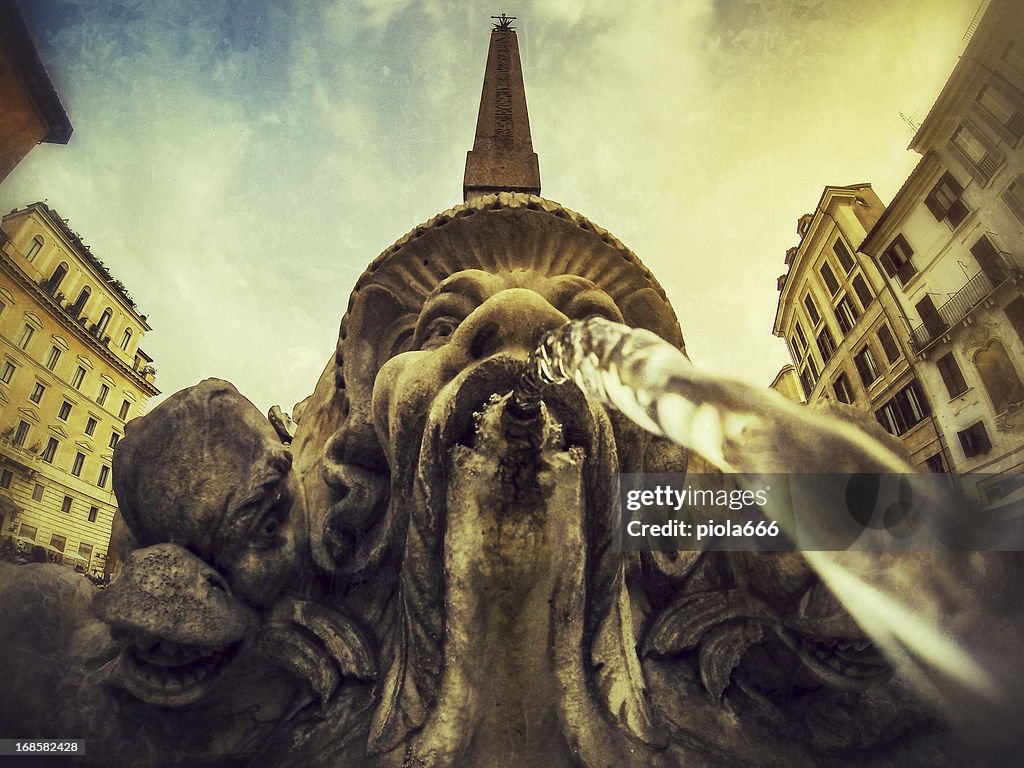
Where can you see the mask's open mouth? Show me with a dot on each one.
(172, 674)
(481, 407)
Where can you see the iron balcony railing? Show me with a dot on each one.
(955, 309)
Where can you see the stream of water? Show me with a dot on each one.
(930, 633)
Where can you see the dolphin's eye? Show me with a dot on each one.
(267, 534)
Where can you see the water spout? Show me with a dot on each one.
(931, 638)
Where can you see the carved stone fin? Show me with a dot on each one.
(684, 622)
(619, 676)
(721, 651)
(289, 649)
(401, 709)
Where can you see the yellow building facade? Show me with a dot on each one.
(72, 374)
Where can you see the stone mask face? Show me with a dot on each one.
(470, 339)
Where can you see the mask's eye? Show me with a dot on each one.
(592, 303)
(438, 331)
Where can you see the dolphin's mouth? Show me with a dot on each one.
(172, 674)
(841, 662)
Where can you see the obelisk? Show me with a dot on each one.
(502, 158)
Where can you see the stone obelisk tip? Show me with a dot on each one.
(502, 158)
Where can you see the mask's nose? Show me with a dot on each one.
(512, 321)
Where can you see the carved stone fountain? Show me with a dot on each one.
(426, 572)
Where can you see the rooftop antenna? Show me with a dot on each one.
(974, 23)
(914, 126)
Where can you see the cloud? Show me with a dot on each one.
(238, 163)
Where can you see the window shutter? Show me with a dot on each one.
(932, 202)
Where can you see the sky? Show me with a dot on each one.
(238, 163)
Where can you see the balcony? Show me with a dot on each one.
(957, 307)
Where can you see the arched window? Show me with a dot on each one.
(56, 278)
(999, 376)
(101, 326)
(80, 302)
(126, 339)
(34, 247)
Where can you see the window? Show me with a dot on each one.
(50, 450)
(65, 411)
(51, 285)
(101, 326)
(976, 151)
(1013, 197)
(1014, 56)
(125, 407)
(52, 358)
(6, 478)
(65, 506)
(892, 352)
(989, 260)
(829, 278)
(1015, 314)
(34, 247)
(90, 426)
(974, 440)
(37, 492)
(860, 287)
(1000, 489)
(21, 435)
(812, 367)
(809, 375)
(799, 342)
(896, 260)
(126, 339)
(806, 382)
(945, 203)
(846, 314)
(7, 373)
(78, 378)
(812, 309)
(995, 100)
(37, 393)
(85, 553)
(999, 376)
(114, 438)
(866, 366)
(951, 375)
(101, 398)
(935, 464)
(906, 409)
(826, 345)
(26, 336)
(104, 474)
(28, 531)
(58, 543)
(93, 514)
(81, 301)
(931, 318)
(76, 467)
(843, 254)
